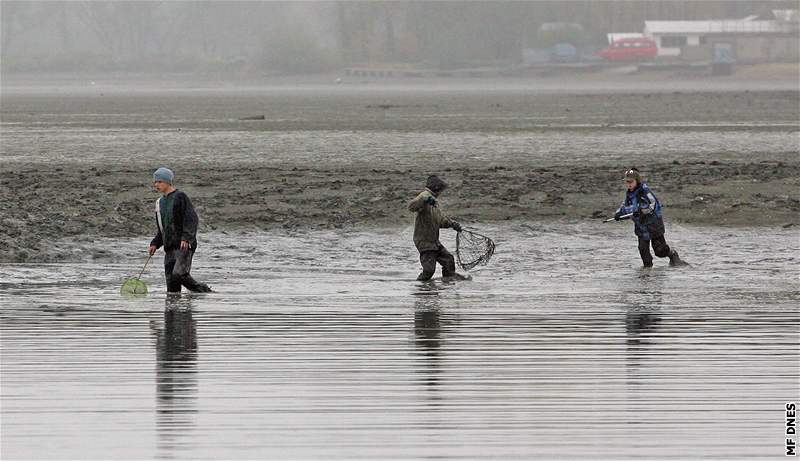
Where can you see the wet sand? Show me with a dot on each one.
(69, 201)
(77, 167)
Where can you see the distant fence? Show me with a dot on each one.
(366, 72)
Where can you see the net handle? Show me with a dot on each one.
(464, 228)
(145, 266)
(451, 220)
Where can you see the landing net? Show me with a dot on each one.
(473, 249)
(133, 286)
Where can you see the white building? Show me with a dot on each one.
(672, 36)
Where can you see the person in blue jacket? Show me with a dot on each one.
(645, 211)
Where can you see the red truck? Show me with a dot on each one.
(631, 49)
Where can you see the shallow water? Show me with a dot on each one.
(401, 127)
(398, 150)
(321, 344)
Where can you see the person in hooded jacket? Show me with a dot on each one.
(645, 211)
(426, 230)
(177, 233)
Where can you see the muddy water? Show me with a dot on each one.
(392, 148)
(395, 126)
(321, 344)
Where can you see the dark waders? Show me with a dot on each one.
(660, 248)
(428, 259)
(177, 265)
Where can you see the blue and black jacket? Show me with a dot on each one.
(646, 210)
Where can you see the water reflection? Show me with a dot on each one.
(640, 323)
(176, 373)
(642, 318)
(484, 369)
(427, 339)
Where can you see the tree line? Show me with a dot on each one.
(288, 37)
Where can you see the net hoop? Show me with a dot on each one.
(133, 286)
(473, 249)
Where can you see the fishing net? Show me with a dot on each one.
(133, 286)
(473, 249)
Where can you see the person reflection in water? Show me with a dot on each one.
(427, 329)
(641, 321)
(176, 370)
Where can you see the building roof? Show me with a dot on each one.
(614, 36)
(786, 15)
(717, 26)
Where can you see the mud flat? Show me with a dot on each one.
(73, 201)
(78, 166)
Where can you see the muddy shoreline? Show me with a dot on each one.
(77, 165)
(72, 201)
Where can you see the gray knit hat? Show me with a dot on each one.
(164, 174)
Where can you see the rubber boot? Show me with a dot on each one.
(203, 288)
(675, 260)
(193, 285)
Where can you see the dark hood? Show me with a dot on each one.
(435, 184)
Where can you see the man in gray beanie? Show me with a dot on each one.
(177, 233)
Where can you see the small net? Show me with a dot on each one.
(473, 249)
(133, 286)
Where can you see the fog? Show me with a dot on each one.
(263, 38)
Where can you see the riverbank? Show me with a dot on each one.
(77, 165)
(82, 202)
(773, 76)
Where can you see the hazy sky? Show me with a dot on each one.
(311, 36)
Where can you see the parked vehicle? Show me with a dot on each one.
(563, 52)
(631, 49)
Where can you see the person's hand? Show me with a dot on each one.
(618, 215)
(152, 250)
(430, 200)
(185, 245)
(456, 226)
